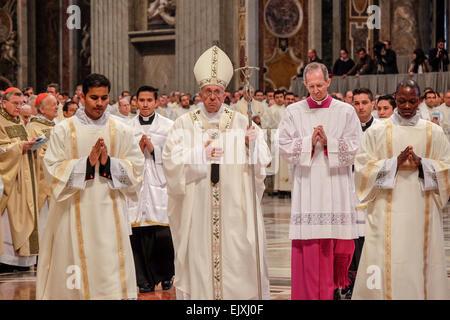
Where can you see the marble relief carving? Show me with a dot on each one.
(405, 27)
(283, 18)
(8, 42)
(161, 13)
(285, 41)
(7, 35)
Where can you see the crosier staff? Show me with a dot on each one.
(246, 72)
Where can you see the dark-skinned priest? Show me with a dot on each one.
(401, 171)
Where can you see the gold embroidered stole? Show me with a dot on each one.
(214, 130)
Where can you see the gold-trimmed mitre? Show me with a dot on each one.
(214, 67)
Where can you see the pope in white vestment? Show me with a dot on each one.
(403, 256)
(210, 194)
(86, 252)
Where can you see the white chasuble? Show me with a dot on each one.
(86, 252)
(213, 225)
(151, 208)
(403, 256)
(323, 204)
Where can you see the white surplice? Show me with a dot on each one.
(151, 208)
(403, 256)
(445, 122)
(283, 171)
(213, 226)
(423, 112)
(323, 205)
(361, 207)
(86, 252)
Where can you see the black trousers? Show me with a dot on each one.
(153, 255)
(359, 244)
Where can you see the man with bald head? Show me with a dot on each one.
(19, 243)
(26, 113)
(42, 126)
(319, 137)
(401, 170)
(211, 200)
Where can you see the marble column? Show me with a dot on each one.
(253, 38)
(337, 29)
(385, 30)
(25, 23)
(315, 26)
(110, 43)
(200, 25)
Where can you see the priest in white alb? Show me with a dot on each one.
(209, 182)
(151, 239)
(401, 170)
(92, 163)
(320, 137)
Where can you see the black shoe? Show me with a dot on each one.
(22, 269)
(337, 295)
(167, 285)
(146, 289)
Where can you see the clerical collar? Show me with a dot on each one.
(84, 119)
(401, 121)
(368, 124)
(146, 121)
(8, 117)
(212, 117)
(40, 118)
(325, 103)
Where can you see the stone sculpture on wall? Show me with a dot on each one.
(85, 52)
(283, 44)
(283, 18)
(161, 12)
(7, 51)
(8, 59)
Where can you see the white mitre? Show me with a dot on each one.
(214, 68)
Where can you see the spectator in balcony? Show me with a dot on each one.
(364, 66)
(439, 57)
(312, 57)
(420, 63)
(386, 58)
(344, 64)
